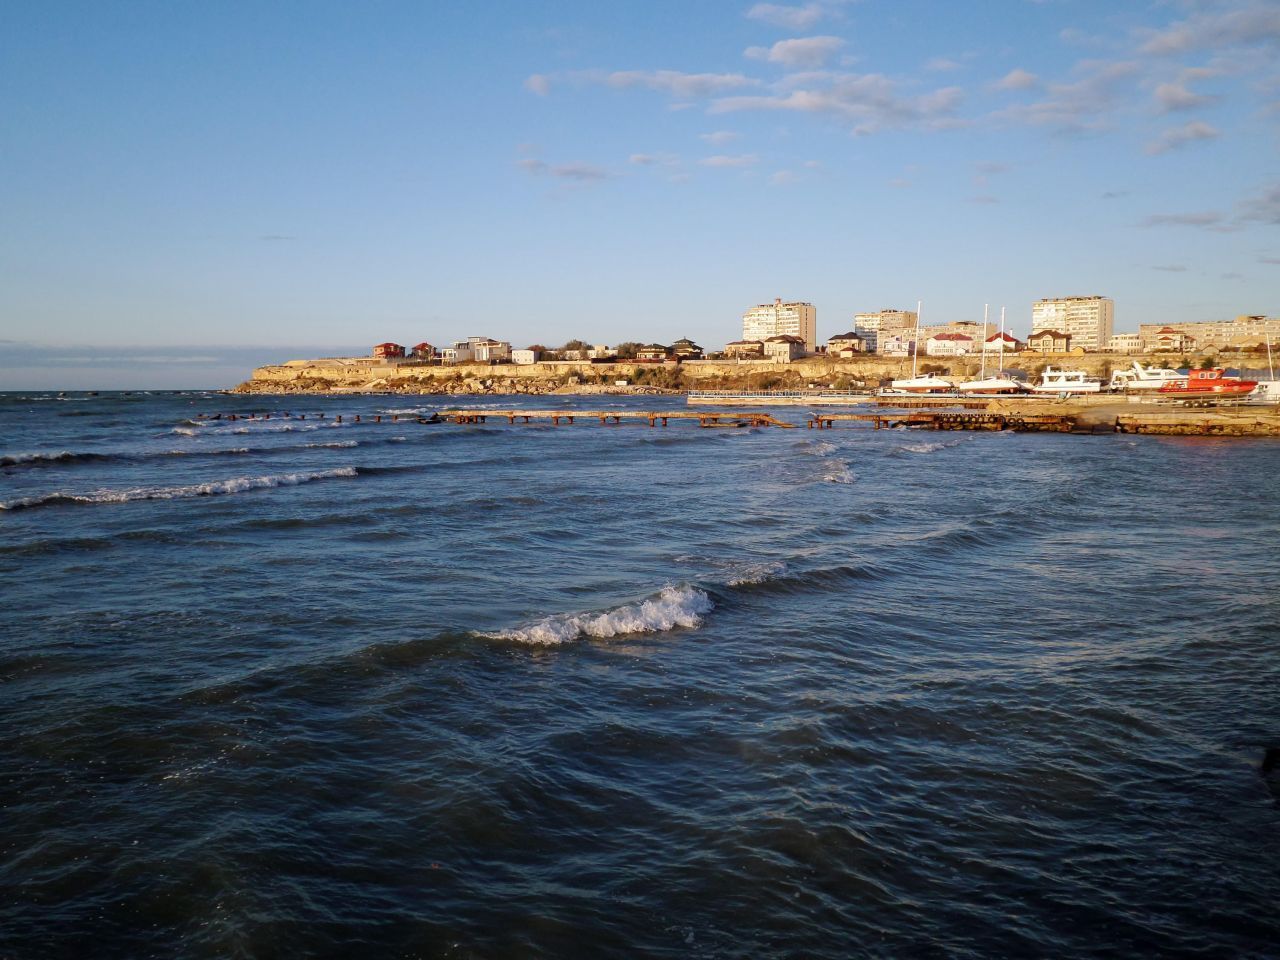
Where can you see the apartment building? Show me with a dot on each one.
(872, 327)
(1247, 330)
(1088, 321)
(794, 318)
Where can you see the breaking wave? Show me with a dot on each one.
(45, 459)
(673, 607)
(211, 489)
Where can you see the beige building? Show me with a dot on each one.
(872, 327)
(970, 328)
(1088, 321)
(1049, 341)
(784, 348)
(1125, 343)
(775, 319)
(1247, 330)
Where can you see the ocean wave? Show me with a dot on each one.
(44, 459)
(211, 489)
(676, 606)
(337, 444)
(838, 471)
(752, 573)
(926, 446)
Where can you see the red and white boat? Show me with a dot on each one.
(1208, 384)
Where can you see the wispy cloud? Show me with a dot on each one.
(1170, 268)
(1264, 208)
(870, 102)
(676, 83)
(719, 137)
(1181, 136)
(942, 65)
(1082, 105)
(794, 17)
(580, 172)
(1172, 97)
(1204, 218)
(1017, 79)
(1275, 261)
(538, 83)
(720, 160)
(801, 52)
(1217, 25)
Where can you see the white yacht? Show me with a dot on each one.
(925, 384)
(992, 385)
(1066, 381)
(1138, 378)
(1265, 394)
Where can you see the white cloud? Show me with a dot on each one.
(1017, 79)
(743, 160)
(870, 102)
(538, 83)
(801, 52)
(677, 84)
(1181, 136)
(719, 137)
(642, 159)
(1081, 105)
(942, 65)
(1171, 268)
(1231, 24)
(1176, 96)
(783, 177)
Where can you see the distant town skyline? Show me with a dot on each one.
(237, 178)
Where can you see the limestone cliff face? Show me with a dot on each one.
(361, 375)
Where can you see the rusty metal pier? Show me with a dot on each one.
(950, 420)
(721, 418)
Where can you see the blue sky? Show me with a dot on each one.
(310, 177)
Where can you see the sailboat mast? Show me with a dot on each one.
(1001, 373)
(915, 344)
(986, 307)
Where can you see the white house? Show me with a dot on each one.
(948, 345)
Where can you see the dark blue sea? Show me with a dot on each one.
(291, 688)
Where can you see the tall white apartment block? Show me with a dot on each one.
(778, 319)
(1088, 320)
(873, 327)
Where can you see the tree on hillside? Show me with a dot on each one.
(580, 345)
(627, 351)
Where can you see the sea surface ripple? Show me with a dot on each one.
(294, 688)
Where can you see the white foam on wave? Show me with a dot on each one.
(13, 459)
(837, 471)
(336, 444)
(673, 607)
(925, 446)
(749, 573)
(211, 489)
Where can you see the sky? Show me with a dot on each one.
(190, 189)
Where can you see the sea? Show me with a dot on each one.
(302, 688)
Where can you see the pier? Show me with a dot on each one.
(725, 418)
(951, 420)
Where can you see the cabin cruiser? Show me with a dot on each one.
(1209, 384)
(992, 385)
(1066, 381)
(1138, 378)
(925, 384)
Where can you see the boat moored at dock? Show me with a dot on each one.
(916, 385)
(1210, 383)
(1065, 382)
(1137, 378)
